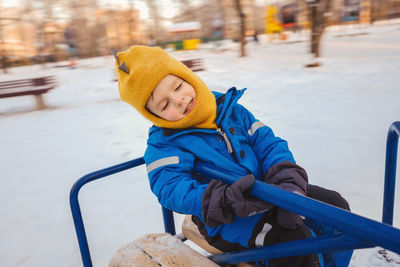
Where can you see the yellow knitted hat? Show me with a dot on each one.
(147, 66)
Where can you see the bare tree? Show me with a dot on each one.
(3, 56)
(84, 27)
(187, 8)
(318, 11)
(156, 31)
(131, 22)
(381, 9)
(47, 36)
(40, 13)
(242, 28)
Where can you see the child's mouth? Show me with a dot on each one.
(189, 107)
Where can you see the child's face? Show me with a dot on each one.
(172, 99)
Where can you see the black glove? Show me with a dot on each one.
(289, 176)
(222, 202)
(293, 178)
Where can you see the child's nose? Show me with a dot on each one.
(181, 100)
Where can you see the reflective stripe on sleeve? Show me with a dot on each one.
(254, 127)
(162, 162)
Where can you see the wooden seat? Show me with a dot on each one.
(191, 232)
(155, 250)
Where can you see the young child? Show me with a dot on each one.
(193, 124)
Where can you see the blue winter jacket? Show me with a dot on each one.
(171, 157)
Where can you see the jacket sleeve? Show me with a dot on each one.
(273, 153)
(269, 149)
(170, 175)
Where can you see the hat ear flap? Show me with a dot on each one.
(122, 66)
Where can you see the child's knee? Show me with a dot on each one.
(339, 201)
(328, 196)
(280, 235)
(284, 235)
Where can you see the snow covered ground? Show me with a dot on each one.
(335, 119)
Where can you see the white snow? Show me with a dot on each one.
(335, 119)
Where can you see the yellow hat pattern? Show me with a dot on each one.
(143, 68)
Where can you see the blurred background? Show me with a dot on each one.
(323, 74)
(38, 31)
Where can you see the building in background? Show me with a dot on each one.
(365, 11)
(184, 35)
(208, 15)
(51, 41)
(25, 38)
(219, 19)
(122, 28)
(385, 9)
(232, 21)
(16, 37)
(22, 40)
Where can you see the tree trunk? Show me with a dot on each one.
(131, 22)
(3, 58)
(318, 10)
(242, 28)
(4, 64)
(314, 44)
(156, 30)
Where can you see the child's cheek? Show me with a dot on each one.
(172, 115)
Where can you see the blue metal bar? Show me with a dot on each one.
(293, 248)
(75, 208)
(169, 224)
(390, 172)
(349, 223)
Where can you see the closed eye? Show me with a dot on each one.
(165, 106)
(179, 86)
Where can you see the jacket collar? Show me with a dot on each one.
(224, 110)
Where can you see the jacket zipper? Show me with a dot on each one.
(228, 143)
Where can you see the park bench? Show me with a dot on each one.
(32, 86)
(195, 64)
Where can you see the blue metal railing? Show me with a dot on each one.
(357, 231)
(76, 210)
(390, 172)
